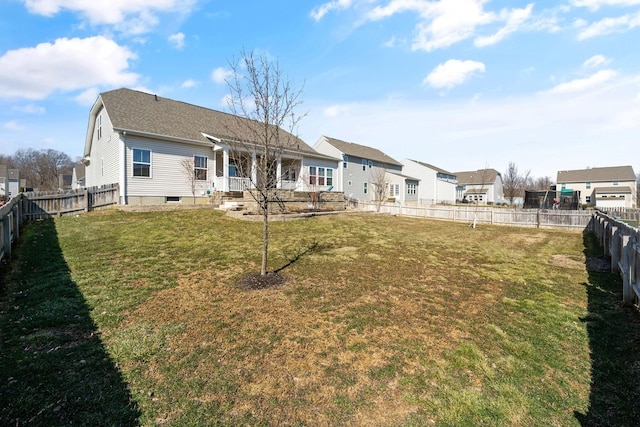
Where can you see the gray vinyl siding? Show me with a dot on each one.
(322, 146)
(411, 197)
(431, 189)
(168, 177)
(320, 163)
(354, 173)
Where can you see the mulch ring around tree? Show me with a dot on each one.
(258, 281)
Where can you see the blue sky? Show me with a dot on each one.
(461, 84)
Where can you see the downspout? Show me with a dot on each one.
(122, 153)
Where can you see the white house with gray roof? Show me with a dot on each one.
(606, 187)
(142, 142)
(483, 186)
(436, 185)
(361, 169)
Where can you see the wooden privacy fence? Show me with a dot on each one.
(621, 242)
(536, 218)
(10, 221)
(35, 205)
(38, 205)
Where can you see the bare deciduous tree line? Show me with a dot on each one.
(40, 168)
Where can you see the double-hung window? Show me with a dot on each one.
(411, 189)
(141, 162)
(320, 176)
(200, 168)
(364, 165)
(345, 161)
(313, 175)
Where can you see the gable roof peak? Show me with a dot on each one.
(361, 151)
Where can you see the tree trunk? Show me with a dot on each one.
(265, 238)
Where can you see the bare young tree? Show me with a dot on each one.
(188, 168)
(514, 184)
(263, 102)
(380, 186)
(484, 181)
(511, 183)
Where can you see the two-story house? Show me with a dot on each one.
(605, 187)
(436, 184)
(363, 168)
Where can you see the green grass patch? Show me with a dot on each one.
(382, 321)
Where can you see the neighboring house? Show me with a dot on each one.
(483, 186)
(396, 181)
(77, 180)
(10, 182)
(362, 167)
(4, 182)
(153, 147)
(65, 181)
(436, 185)
(602, 187)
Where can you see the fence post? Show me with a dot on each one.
(86, 200)
(538, 218)
(614, 247)
(6, 236)
(626, 266)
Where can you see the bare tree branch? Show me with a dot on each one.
(263, 102)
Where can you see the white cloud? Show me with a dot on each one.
(220, 75)
(446, 22)
(29, 109)
(390, 43)
(13, 125)
(515, 18)
(580, 85)
(189, 83)
(596, 61)
(177, 40)
(597, 4)
(335, 110)
(542, 132)
(130, 16)
(66, 65)
(452, 73)
(88, 97)
(319, 12)
(610, 25)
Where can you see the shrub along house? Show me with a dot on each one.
(159, 150)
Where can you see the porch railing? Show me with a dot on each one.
(241, 184)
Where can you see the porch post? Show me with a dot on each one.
(225, 169)
(279, 173)
(254, 169)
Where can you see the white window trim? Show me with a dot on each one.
(205, 169)
(133, 162)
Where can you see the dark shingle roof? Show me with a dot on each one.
(614, 173)
(479, 177)
(146, 113)
(362, 151)
(615, 189)
(435, 168)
